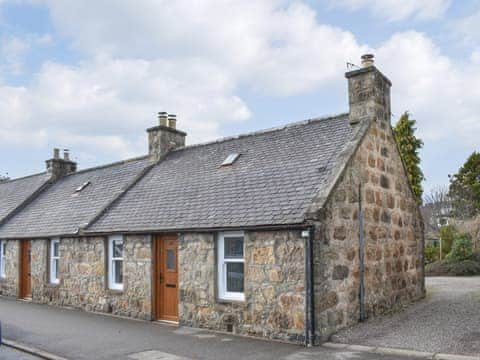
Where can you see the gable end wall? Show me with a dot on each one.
(393, 233)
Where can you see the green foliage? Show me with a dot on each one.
(449, 268)
(462, 249)
(432, 253)
(448, 234)
(465, 188)
(410, 145)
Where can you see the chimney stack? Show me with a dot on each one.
(165, 136)
(369, 93)
(58, 167)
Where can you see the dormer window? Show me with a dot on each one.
(230, 159)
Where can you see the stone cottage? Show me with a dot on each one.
(290, 233)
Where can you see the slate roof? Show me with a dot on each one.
(273, 182)
(60, 211)
(14, 193)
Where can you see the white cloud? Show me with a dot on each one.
(270, 45)
(396, 10)
(437, 90)
(193, 58)
(184, 57)
(12, 51)
(468, 28)
(104, 104)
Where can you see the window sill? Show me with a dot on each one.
(52, 285)
(231, 301)
(115, 292)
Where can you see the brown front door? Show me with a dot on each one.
(166, 277)
(25, 269)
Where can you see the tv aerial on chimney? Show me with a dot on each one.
(351, 66)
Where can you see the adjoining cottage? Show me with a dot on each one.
(290, 233)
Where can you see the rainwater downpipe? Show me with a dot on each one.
(309, 301)
(361, 255)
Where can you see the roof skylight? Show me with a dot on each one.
(230, 159)
(83, 186)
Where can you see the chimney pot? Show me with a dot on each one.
(172, 121)
(368, 60)
(66, 155)
(162, 118)
(56, 153)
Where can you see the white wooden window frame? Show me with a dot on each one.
(223, 294)
(111, 268)
(54, 260)
(3, 259)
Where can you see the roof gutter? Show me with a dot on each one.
(298, 226)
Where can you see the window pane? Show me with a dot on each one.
(4, 248)
(171, 259)
(235, 277)
(55, 266)
(234, 248)
(117, 248)
(55, 249)
(118, 271)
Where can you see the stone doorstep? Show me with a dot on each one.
(31, 350)
(400, 352)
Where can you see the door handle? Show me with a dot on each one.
(161, 278)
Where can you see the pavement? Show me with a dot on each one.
(73, 334)
(446, 321)
(7, 353)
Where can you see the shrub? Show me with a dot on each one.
(432, 254)
(462, 249)
(447, 235)
(448, 268)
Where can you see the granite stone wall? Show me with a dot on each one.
(162, 139)
(274, 305)
(83, 281)
(393, 232)
(9, 285)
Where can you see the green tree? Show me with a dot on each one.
(465, 188)
(410, 145)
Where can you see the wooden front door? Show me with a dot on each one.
(25, 269)
(166, 277)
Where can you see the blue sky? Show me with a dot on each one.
(90, 76)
